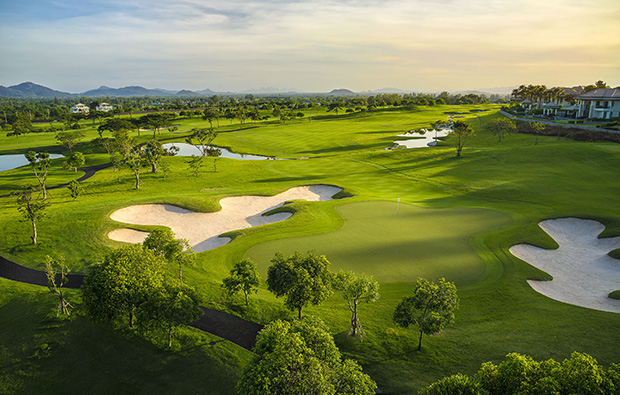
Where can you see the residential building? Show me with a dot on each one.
(599, 104)
(104, 107)
(80, 109)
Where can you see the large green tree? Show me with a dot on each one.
(461, 132)
(169, 307)
(114, 125)
(430, 308)
(302, 280)
(162, 242)
(243, 277)
(501, 126)
(121, 283)
(301, 358)
(69, 139)
(74, 161)
(522, 375)
(153, 151)
(355, 290)
(156, 121)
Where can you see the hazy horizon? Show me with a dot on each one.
(309, 46)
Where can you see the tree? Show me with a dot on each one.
(32, 209)
(356, 289)
(69, 139)
(40, 163)
(153, 151)
(74, 161)
(243, 277)
(301, 358)
(202, 139)
(20, 125)
(461, 131)
(538, 127)
(300, 279)
(209, 114)
(121, 283)
(134, 162)
(335, 107)
(431, 308)
(169, 307)
(156, 121)
(455, 384)
(75, 189)
(113, 125)
(175, 251)
(117, 163)
(501, 126)
(195, 162)
(55, 268)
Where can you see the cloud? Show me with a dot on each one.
(420, 45)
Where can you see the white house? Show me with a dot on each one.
(80, 109)
(104, 107)
(599, 103)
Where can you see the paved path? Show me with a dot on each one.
(219, 323)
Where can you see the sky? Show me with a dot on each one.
(309, 45)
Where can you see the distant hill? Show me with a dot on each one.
(207, 92)
(127, 91)
(186, 92)
(30, 90)
(342, 92)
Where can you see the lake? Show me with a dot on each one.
(8, 162)
(189, 150)
(418, 140)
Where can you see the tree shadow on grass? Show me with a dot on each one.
(41, 354)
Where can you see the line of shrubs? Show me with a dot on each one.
(575, 134)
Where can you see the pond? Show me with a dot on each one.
(417, 140)
(8, 162)
(189, 150)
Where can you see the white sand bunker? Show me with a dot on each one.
(583, 273)
(202, 229)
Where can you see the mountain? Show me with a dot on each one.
(186, 92)
(206, 92)
(127, 91)
(30, 90)
(342, 92)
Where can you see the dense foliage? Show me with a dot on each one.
(300, 357)
(522, 375)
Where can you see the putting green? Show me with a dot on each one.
(395, 244)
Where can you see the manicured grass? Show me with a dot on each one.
(395, 242)
(457, 220)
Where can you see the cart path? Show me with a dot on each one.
(219, 323)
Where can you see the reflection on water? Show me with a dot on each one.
(189, 150)
(417, 140)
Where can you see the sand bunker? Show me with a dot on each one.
(583, 273)
(202, 230)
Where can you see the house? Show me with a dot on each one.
(80, 109)
(104, 107)
(599, 104)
